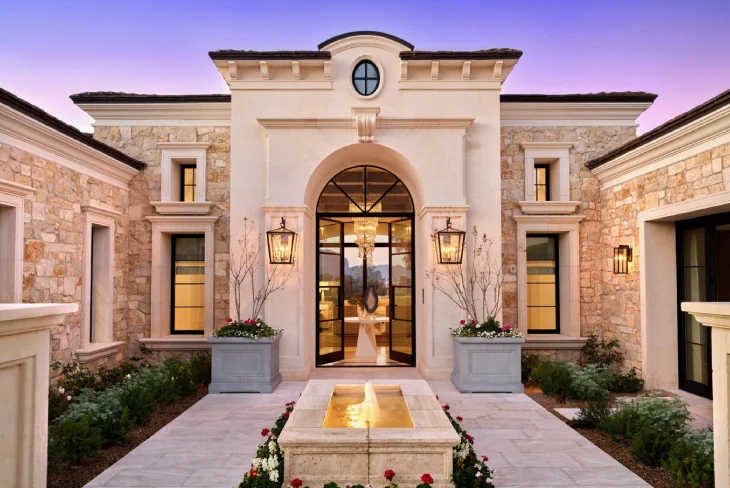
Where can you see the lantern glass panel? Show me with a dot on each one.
(282, 244)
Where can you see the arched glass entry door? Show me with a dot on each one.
(365, 242)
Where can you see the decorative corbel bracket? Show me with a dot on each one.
(366, 119)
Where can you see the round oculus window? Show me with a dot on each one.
(365, 78)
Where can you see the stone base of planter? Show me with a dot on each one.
(241, 365)
(487, 365)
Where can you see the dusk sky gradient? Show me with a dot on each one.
(677, 49)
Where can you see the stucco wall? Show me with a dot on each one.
(703, 174)
(141, 143)
(589, 142)
(54, 229)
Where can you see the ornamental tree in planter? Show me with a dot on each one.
(246, 352)
(486, 354)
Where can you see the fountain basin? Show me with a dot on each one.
(408, 433)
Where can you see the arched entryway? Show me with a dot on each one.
(365, 228)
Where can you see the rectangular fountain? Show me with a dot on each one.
(352, 431)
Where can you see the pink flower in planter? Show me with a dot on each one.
(507, 327)
(462, 322)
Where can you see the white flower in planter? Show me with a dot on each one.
(128, 377)
(274, 476)
(61, 390)
(69, 398)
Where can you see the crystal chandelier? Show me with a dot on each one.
(365, 230)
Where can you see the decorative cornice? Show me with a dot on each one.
(15, 189)
(159, 113)
(548, 219)
(182, 220)
(710, 314)
(183, 145)
(293, 209)
(35, 137)
(692, 138)
(547, 145)
(561, 113)
(360, 35)
(176, 343)
(96, 351)
(104, 212)
(548, 208)
(445, 210)
(382, 123)
(182, 208)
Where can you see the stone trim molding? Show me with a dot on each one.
(32, 136)
(201, 114)
(590, 114)
(698, 136)
(162, 227)
(12, 239)
(553, 342)
(447, 211)
(559, 155)
(177, 343)
(102, 323)
(97, 351)
(549, 208)
(172, 151)
(568, 230)
(381, 123)
(182, 208)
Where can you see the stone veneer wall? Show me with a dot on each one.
(141, 143)
(701, 175)
(589, 143)
(54, 230)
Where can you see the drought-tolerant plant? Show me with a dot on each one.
(600, 353)
(625, 383)
(529, 363)
(592, 413)
(650, 446)
(553, 378)
(74, 439)
(691, 460)
(589, 383)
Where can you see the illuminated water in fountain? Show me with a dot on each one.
(368, 405)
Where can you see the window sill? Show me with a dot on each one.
(182, 208)
(553, 341)
(176, 343)
(549, 208)
(96, 351)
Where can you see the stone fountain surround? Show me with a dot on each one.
(361, 455)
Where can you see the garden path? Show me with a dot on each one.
(212, 444)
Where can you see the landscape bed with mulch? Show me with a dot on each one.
(65, 474)
(656, 477)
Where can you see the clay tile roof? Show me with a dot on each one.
(497, 53)
(601, 97)
(364, 33)
(232, 54)
(30, 110)
(121, 97)
(681, 120)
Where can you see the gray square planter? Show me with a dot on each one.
(487, 365)
(242, 365)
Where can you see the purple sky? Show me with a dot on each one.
(679, 49)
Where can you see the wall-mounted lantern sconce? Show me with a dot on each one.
(450, 244)
(282, 244)
(622, 256)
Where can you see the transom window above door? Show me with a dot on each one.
(365, 189)
(366, 78)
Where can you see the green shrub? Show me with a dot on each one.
(554, 377)
(529, 363)
(140, 403)
(600, 353)
(626, 383)
(589, 383)
(650, 445)
(691, 460)
(200, 366)
(592, 414)
(74, 439)
(57, 403)
(105, 412)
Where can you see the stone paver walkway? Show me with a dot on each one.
(212, 444)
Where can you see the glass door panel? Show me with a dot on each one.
(402, 337)
(330, 332)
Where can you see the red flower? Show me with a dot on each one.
(296, 482)
(507, 327)
(446, 407)
(229, 319)
(462, 322)
(485, 459)
(426, 478)
(469, 438)
(253, 473)
(459, 419)
(264, 432)
(286, 414)
(389, 474)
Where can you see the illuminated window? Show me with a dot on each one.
(187, 183)
(542, 182)
(542, 284)
(188, 284)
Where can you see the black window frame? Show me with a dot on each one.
(557, 286)
(535, 184)
(366, 78)
(173, 238)
(183, 167)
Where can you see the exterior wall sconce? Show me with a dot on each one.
(622, 256)
(282, 244)
(450, 244)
